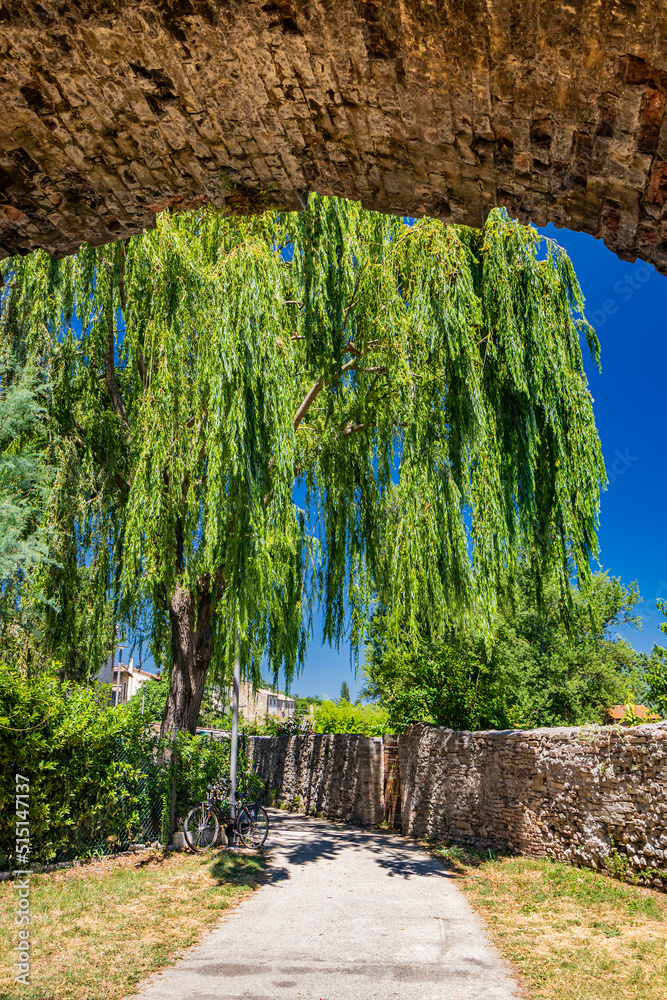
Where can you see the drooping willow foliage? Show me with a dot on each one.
(329, 403)
(23, 476)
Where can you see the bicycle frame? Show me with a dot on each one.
(238, 821)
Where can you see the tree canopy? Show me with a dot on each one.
(332, 405)
(539, 667)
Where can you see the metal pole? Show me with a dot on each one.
(118, 685)
(235, 729)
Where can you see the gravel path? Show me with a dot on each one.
(346, 914)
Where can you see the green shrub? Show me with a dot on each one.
(343, 717)
(95, 772)
(69, 745)
(200, 761)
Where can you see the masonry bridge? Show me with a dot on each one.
(111, 110)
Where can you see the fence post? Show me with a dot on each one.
(172, 804)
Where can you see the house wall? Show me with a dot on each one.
(132, 679)
(106, 672)
(256, 703)
(590, 795)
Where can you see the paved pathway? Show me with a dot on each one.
(346, 914)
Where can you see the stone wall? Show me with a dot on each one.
(593, 796)
(111, 110)
(340, 777)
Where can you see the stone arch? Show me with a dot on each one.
(111, 110)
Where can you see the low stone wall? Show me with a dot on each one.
(588, 795)
(339, 776)
(593, 796)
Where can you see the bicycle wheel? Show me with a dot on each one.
(253, 825)
(201, 828)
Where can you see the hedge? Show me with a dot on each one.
(96, 773)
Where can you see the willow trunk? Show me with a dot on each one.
(192, 649)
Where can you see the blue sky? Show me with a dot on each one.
(624, 303)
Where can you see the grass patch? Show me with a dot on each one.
(98, 930)
(574, 934)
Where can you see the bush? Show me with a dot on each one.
(96, 773)
(273, 725)
(199, 761)
(64, 739)
(343, 717)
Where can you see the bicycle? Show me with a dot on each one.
(250, 824)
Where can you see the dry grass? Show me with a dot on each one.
(98, 930)
(572, 933)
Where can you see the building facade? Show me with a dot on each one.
(124, 678)
(256, 703)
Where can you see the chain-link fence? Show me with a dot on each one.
(146, 777)
(125, 792)
(150, 817)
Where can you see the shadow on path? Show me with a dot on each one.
(319, 840)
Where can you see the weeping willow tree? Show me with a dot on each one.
(331, 405)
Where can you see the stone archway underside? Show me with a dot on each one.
(111, 110)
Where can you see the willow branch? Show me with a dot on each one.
(110, 375)
(162, 597)
(180, 545)
(191, 422)
(353, 299)
(79, 440)
(308, 400)
(375, 381)
(219, 583)
(121, 279)
(211, 584)
(354, 428)
(141, 365)
(316, 389)
(120, 482)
